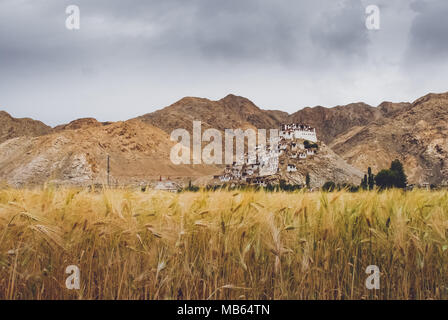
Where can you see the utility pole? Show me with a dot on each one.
(108, 170)
(429, 174)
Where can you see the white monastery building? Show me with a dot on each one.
(298, 131)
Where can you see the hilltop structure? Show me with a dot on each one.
(298, 131)
(169, 186)
(283, 155)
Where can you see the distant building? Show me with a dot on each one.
(169, 186)
(259, 181)
(310, 152)
(256, 169)
(298, 131)
(225, 178)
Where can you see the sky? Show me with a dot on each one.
(132, 57)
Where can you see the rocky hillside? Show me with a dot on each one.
(324, 166)
(362, 135)
(139, 153)
(416, 133)
(83, 123)
(229, 112)
(331, 122)
(12, 127)
(238, 112)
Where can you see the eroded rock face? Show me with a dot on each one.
(417, 134)
(139, 153)
(364, 136)
(330, 122)
(324, 166)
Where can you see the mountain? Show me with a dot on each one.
(239, 112)
(330, 122)
(324, 166)
(415, 133)
(139, 153)
(295, 162)
(390, 109)
(227, 113)
(362, 135)
(76, 153)
(12, 127)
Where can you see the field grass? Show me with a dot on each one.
(222, 245)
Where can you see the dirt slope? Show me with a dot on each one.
(139, 153)
(417, 134)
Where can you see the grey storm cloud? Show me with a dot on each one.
(209, 29)
(429, 31)
(132, 57)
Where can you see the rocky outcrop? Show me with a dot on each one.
(227, 113)
(416, 133)
(11, 127)
(80, 124)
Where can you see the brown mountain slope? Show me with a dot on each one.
(139, 154)
(362, 135)
(12, 127)
(391, 109)
(238, 112)
(330, 122)
(322, 167)
(229, 112)
(417, 134)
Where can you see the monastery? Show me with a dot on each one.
(292, 146)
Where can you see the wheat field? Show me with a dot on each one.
(130, 244)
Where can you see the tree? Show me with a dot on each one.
(329, 186)
(307, 180)
(392, 178)
(370, 179)
(309, 145)
(192, 187)
(385, 179)
(401, 178)
(368, 182)
(364, 183)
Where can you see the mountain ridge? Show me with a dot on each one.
(363, 135)
(16, 127)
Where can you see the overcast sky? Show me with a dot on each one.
(134, 57)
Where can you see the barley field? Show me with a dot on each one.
(130, 244)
